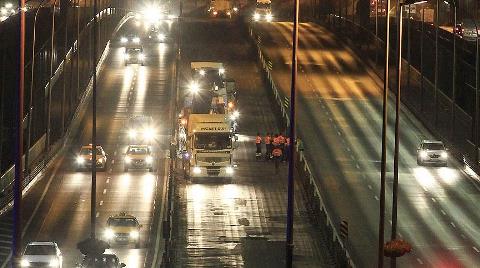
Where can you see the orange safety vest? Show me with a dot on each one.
(258, 140)
(268, 140)
(277, 152)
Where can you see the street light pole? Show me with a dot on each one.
(93, 203)
(291, 158)
(381, 228)
(17, 194)
(454, 74)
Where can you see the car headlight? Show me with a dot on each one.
(100, 160)
(128, 159)
(202, 72)
(197, 170)
(136, 40)
(132, 134)
(161, 37)
(149, 159)
(228, 13)
(141, 56)
(109, 234)
(235, 9)
(269, 17)
(423, 154)
(256, 16)
(24, 263)
(53, 263)
(229, 170)
(134, 234)
(444, 154)
(80, 160)
(149, 134)
(123, 40)
(221, 71)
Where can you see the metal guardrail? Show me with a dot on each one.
(314, 200)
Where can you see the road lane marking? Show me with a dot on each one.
(104, 191)
(433, 199)
(443, 212)
(101, 202)
(370, 187)
(476, 249)
(339, 134)
(453, 224)
(98, 214)
(376, 198)
(115, 153)
(108, 180)
(357, 166)
(113, 161)
(425, 188)
(419, 261)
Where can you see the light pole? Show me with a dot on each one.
(477, 100)
(291, 158)
(93, 192)
(30, 99)
(397, 118)
(49, 94)
(453, 3)
(17, 194)
(194, 89)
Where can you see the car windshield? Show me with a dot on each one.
(134, 51)
(138, 150)
(213, 141)
(125, 222)
(433, 146)
(139, 121)
(88, 151)
(40, 250)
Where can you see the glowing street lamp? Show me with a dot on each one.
(194, 87)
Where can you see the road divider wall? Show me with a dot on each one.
(314, 202)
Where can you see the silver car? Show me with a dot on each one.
(432, 152)
(42, 254)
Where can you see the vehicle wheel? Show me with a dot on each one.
(150, 169)
(419, 162)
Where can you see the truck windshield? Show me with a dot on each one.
(263, 6)
(213, 141)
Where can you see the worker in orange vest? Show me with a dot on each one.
(276, 141)
(268, 146)
(277, 155)
(281, 143)
(258, 143)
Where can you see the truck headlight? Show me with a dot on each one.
(132, 134)
(221, 71)
(423, 154)
(202, 72)
(229, 13)
(128, 160)
(126, 56)
(235, 9)
(24, 263)
(149, 134)
(123, 40)
(141, 56)
(80, 160)
(161, 37)
(53, 263)
(256, 16)
(134, 234)
(269, 17)
(109, 234)
(149, 160)
(229, 170)
(136, 40)
(197, 170)
(444, 154)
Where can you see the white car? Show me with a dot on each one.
(42, 254)
(432, 152)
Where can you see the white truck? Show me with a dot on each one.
(209, 146)
(263, 11)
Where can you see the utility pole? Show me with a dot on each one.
(17, 193)
(93, 203)
(291, 159)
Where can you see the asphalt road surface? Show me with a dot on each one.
(339, 118)
(57, 208)
(239, 223)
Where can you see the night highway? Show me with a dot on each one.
(185, 110)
